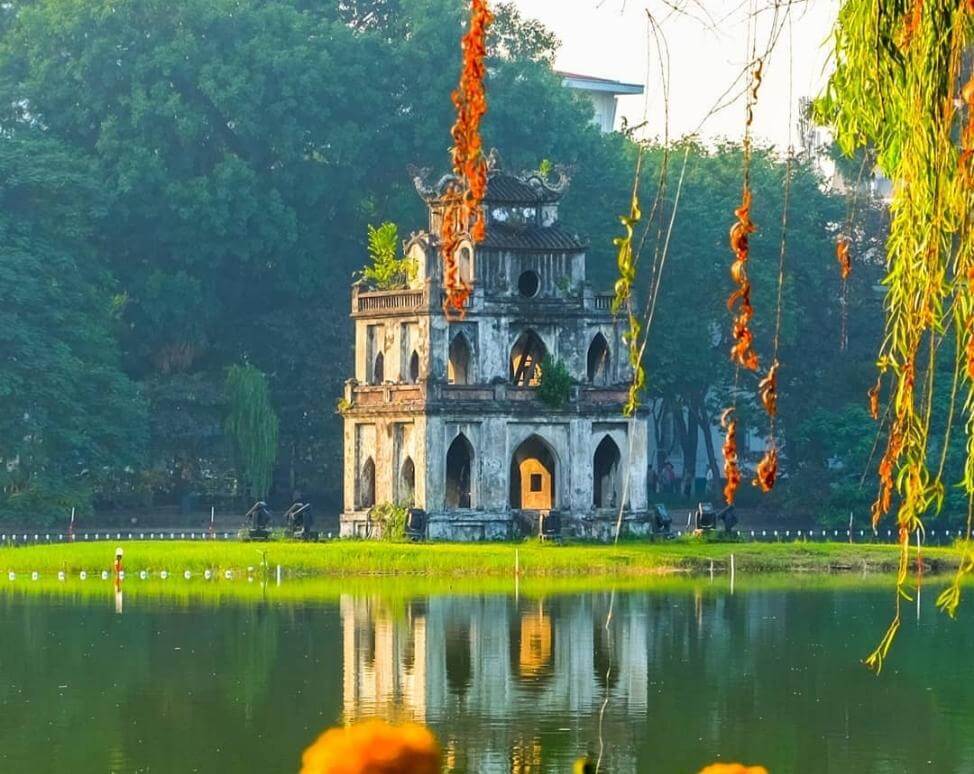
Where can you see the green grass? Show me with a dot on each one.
(465, 560)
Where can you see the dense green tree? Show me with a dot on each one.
(70, 420)
(690, 373)
(241, 148)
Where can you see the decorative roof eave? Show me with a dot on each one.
(530, 188)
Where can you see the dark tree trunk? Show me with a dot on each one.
(706, 422)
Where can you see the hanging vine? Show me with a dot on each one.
(462, 211)
(897, 89)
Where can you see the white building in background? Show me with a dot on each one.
(603, 93)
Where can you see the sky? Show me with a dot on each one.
(608, 38)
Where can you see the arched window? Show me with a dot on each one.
(366, 485)
(459, 464)
(407, 483)
(414, 367)
(465, 265)
(458, 367)
(533, 476)
(526, 356)
(598, 361)
(378, 369)
(605, 473)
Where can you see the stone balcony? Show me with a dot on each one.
(433, 397)
(395, 303)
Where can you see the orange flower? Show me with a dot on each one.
(874, 397)
(373, 747)
(733, 768)
(768, 390)
(767, 471)
(843, 257)
(732, 471)
(742, 351)
(462, 202)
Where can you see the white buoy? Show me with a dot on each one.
(60, 575)
(207, 574)
(163, 574)
(83, 575)
(228, 574)
(11, 576)
(187, 575)
(143, 575)
(35, 575)
(104, 574)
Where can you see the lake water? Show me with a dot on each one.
(687, 673)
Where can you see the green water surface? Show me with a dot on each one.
(687, 673)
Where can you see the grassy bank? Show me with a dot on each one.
(455, 560)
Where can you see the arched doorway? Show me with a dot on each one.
(407, 483)
(526, 356)
(533, 476)
(598, 361)
(366, 485)
(414, 367)
(459, 463)
(605, 473)
(458, 367)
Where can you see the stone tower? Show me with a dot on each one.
(444, 414)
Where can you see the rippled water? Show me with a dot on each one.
(509, 683)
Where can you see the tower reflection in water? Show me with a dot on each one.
(506, 684)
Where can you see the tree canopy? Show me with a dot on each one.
(202, 175)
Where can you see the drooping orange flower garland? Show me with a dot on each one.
(842, 246)
(732, 470)
(463, 213)
(742, 350)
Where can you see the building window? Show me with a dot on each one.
(366, 488)
(414, 367)
(598, 361)
(407, 483)
(529, 283)
(465, 265)
(526, 356)
(459, 462)
(378, 369)
(536, 479)
(458, 367)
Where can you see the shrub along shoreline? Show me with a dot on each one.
(468, 560)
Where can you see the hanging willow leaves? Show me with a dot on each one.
(897, 89)
(462, 211)
(626, 263)
(251, 425)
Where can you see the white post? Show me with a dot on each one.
(278, 575)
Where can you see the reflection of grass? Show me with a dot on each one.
(457, 561)
(177, 590)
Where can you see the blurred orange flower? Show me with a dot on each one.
(733, 768)
(373, 747)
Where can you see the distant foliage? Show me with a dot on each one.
(386, 271)
(556, 383)
(252, 427)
